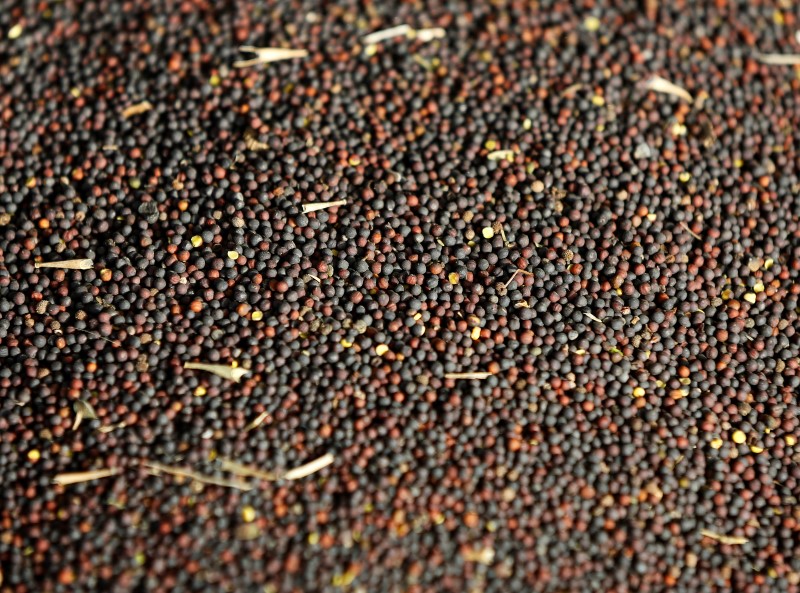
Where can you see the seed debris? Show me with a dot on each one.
(66, 264)
(468, 375)
(83, 409)
(267, 55)
(234, 374)
(297, 473)
(497, 155)
(423, 35)
(314, 206)
(662, 85)
(67, 479)
(183, 472)
(731, 540)
(779, 59)
(136, 109)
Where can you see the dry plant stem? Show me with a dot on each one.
(234, 374)
(593, 317)
(314, 206)
(267, 55)
(686, 228)
(500, 154)
(88, 476)
(297, 473)
(779, 59)
(517, 271)
(426, 35)
(247, 471)
(111, 427)
(67, 264)
(385, 34)
(473, 375)
(257, 422)
(183, 472)
(136, 109)
(731, 540)
(661, 85)
(309, 468)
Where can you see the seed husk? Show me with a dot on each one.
(67, 479)
(67, 264)
(267, 55)
(226, 372)
(661, 85)
(314, 206)
(188, 473)
(137, 109)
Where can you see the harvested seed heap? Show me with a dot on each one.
(502, 299)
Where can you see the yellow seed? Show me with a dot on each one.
(214, 80)
(727, 294)
(476, 333)
(716, 443)
(527, 124)
(738, 163)
(490, 145)
(685, 176)
(197, 240)
(346, 343)
(257, 316)
(34, 455)
(233, 254)
(739, 437)
(768, 263)
(598, 101)
(354, 161)
(313, 538)
(248, 514)
(200, 391)
(15, 31)
(750, 297)
(756, 449)
(790, 440)
(638, 392)
(777, 18)
(488, 232)
(381, 349)
(453, 278)
(759, 287)
(591, 23)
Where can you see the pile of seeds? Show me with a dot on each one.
(355, 296)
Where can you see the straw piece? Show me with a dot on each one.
(78, 477)
(246, 471)
(661, 85)
(385, 34)
(267, 55)
(314, 206)
(309, 468)
(137, 109)
(500, 154)
(732, 540)
(183, 472)
(67, 264)
(426, 35)
(779, 59)
(234, 374)
(474, 375)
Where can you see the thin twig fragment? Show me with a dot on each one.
(662, 85)
(314, 206)
(257, 422)
(498, 155)
(66, 264)
(779, 59)
(234, 374)
(731, 540)
(267, 55)
(137, 109)
(293, 474)
(469, 375)
(309, 468)
(183, 472)
(423, 35)
(593, 317)
(686, 228)
(88, 476)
